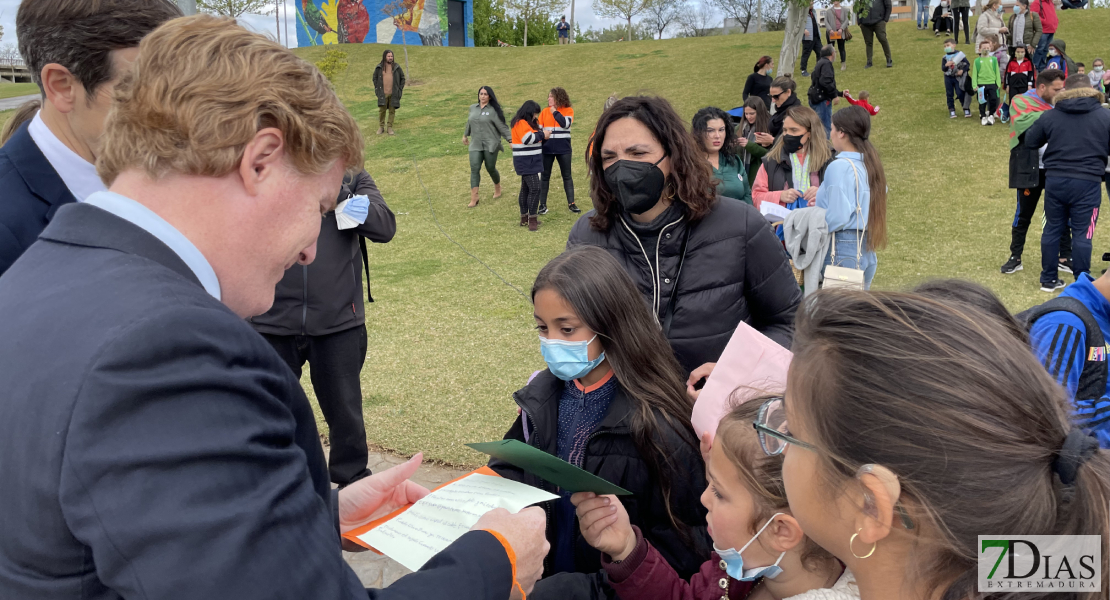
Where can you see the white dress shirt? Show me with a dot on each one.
(78, 174)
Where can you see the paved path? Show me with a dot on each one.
(10, 103)
(378, 571)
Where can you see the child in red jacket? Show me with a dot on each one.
(747, 510)
(862, 101)
(1020, 77)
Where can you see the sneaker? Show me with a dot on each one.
(951, 114)
(805, 73)
(1012, 266)
(543, 210)
(983, 121)
(990, 120)
(574, 208)
(1065, 266)
(868, 65)
(889, 63)
(1052, 287)
(843, 66)
(967, 114)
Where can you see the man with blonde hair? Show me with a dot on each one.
(154, 445)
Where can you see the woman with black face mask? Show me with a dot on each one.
(703, 263)
(793, 170)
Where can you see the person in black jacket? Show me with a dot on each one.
(872, 24)
(318, 316)
(782, 94)
(822, 90)
(613, 402)
(811, 40)
(703, 263)
(1077, 132)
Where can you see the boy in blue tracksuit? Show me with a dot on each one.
(1059, 341)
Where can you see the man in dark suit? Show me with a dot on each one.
(75, 50)
(153, 444)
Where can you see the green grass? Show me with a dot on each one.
(449, 343)
(12, 90)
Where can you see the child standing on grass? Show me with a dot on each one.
(955, 66)
(986, 78)
(862, 102)
(613, 401)
(528, 161)
(761, 552)
(1020, 78)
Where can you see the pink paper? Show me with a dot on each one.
(752, 363)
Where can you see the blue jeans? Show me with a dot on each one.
(1040, 57)
(1075, 199)
(824, 110)
(846, 248)
(952, 89)
(923, 13)
(1073, 3)
(1006, 110)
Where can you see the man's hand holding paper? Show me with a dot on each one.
(380, 494)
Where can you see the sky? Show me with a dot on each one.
(583, 13)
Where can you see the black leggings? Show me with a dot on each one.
(957, 14)
(564, 170)
(529, 198)
(839, 45)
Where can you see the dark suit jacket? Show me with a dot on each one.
(152, 445)
(30, 193)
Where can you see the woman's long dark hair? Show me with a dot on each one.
(855, 123)
(762, 62)
(527, 113)
(762, 117)
(493, 101)
(604, 297)
(701, 122)
(691, 178)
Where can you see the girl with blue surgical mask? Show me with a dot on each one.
(613, 402)
(760, 551)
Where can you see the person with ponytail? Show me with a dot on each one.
(613, 402)
(854, 195)
(911, 425)
(486, 125)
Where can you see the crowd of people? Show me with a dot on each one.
(181, 236)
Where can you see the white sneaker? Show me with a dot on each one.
(990, 120)
(983, 121)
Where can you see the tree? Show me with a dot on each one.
(621, 9)
(797, 11)
(741, 10)
(236, 8)
(533, 10)
(698, 20)
(661, 14)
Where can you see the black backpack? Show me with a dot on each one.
(1092, 380)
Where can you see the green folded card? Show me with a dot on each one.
(548, 467)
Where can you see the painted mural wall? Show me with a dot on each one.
(424, 23)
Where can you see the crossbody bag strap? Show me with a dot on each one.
(859, 216)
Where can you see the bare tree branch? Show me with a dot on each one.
(236, 8)
(621, 9)
(698, 20)
(661, 14)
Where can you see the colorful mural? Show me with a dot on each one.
(422, 22)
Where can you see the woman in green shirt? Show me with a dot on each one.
(713, 128)
(485, 128)
(755, 139)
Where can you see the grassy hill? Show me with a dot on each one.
(449, 342)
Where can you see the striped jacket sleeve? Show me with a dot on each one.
(1059, 341)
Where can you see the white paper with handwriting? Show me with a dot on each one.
(435, 521)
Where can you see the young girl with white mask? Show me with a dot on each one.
(761, 552)
(613, 402)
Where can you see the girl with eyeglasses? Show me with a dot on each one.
(612, 402)
(761, 552)
(912, 425)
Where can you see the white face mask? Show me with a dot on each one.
(1052, 52)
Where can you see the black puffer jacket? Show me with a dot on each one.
(735, 270)
(780, 113)
(612, 455)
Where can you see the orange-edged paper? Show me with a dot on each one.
(751, 363)
(353, 534)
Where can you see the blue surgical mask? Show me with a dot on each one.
(734, 560)
(569, 360)
(770, 72)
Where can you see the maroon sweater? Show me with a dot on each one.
(646, 575)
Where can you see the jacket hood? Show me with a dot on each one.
(1060, 45)
(1077, 101)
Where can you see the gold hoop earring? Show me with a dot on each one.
(852, 540)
